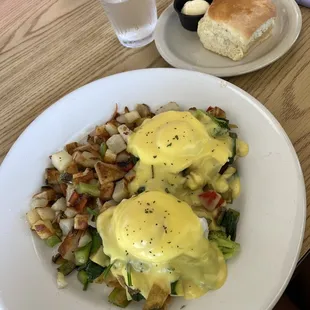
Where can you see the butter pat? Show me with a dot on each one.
(195, 7)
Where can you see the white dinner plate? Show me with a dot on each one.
(183, 49)
(272, 202)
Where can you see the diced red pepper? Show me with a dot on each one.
(211, 200)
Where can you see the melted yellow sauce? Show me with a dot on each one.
(157, 233)
(163, 241)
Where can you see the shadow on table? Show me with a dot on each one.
(296, 296)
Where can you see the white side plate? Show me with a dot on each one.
(183, 49)
(272, 202)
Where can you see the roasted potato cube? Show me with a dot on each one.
(116, 144)
(132, 116)
(120, 191)
(171, 106)
(121, 119)
(124, 131)
(109, 157)
(111, 128)
(143, 110)
(130, 175)
(52, 176)
(107, 205)
(44, 229)
(71, 147)
(49, 194)
(38, 203)
(85, 159)
(59, 205)
(156, 298)
(106, 191)
(32, 217)
(70, 244)
(84, 176)
(61, 160)
(66, 225)
(46, 213)
(70, 213)
(72, 168)
(108, 173)
(81, 221)
(102, 131)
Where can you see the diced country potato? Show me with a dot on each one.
(61, 282)
(116, 144)
(72, 168)
(156, 298)
(51, 176)
(102, 131)
(49, 194)
(81, 221)
(71, 147)
(121, 119)
(32, 217)
(111, 128)
(108, 173)
(85, 159)
(70, 213)
(120, 191)
(109, 157)
(46, 213)
(123, 157)
(106, 191)
(85, 239)
(143, 110)
(66, 225)
(130, 175)
(38, 203)
(108, 204)
(44, 229)
(171, 106)
(132, 116)
(59, 205)
(69, 192)
(124, 131)
(61, 160)
(70, 244)
(84, 176)
(89, 148)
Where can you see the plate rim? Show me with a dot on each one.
(176, 62)
(258, 105)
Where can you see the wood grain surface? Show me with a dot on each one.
(50, 47)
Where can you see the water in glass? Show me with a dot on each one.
(134, 21)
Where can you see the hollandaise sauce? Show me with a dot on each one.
(180, 154)
(159, 240)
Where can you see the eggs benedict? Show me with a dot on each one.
(155, 238)
(182, 152)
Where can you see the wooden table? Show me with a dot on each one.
(49, 48)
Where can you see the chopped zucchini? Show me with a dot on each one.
(118, 297)
(83, 278)
(82, 254)
(52, 241)
(100, 258)
(66, 268)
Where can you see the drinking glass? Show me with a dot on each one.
(134, 21)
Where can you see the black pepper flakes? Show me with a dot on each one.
(155, 156)
(168, 145)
